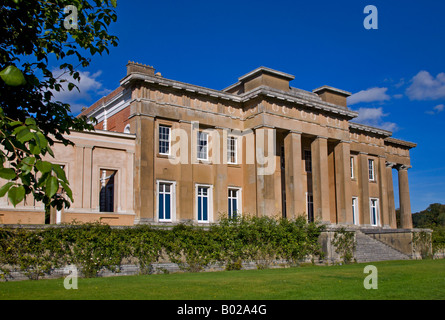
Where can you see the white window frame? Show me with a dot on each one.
(199, 147)
(238, 199)
(377, 211)
(352, 164)
(232, 150)
(209, 202)
(164, 140)
(172, 200)
(355, 212)
(371, 169)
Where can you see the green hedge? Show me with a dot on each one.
(93, 247)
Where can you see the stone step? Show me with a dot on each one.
(369, 249)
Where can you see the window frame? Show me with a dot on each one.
(355, 211)
(310, 204)
(352, 164)
(238, 202)
(231, 152)
(162, 126)
(371, 169)
(377, 212)
(199, 147)
(172, 194)
(209, 197)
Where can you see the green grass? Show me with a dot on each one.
(396, 280)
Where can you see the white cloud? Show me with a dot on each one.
(374, 117)
(425, 87)
(89, 89)
(437, 109)
(369, 95)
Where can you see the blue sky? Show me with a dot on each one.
(396, 72)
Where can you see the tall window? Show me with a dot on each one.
(374, 208)
(234, 202)
(164, 139)
(231, 150)
(355, 218)
(371, 170)
(308, 160)
(165, 201)
(203, 203)
(352, 167)
(202, 145)
(106, 200)
(310, 207)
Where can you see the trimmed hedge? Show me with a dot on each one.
(93, 247)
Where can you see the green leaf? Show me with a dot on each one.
(30, 121)
(52, 185)
(114, 3)
(7, 173)
(59, 172)
(44, 166)
(16, 195)
(5, 188)
(24, 135)
(67, 190)
(12, 76)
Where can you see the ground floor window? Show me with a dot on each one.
(234, 199)
(165, 200)
(106, 199)
(374, 210)
(203, 202)
(355, 218)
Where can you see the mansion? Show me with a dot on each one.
(166, 152)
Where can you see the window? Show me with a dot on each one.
(204, 203)
(164, 139)
(231, 150)
(234, 202)
(352, 168)
(106, 200)
(374, 208)
(355, 218)
(308, 160)
(166, 197)
(371, 169)
(202, 145)
(310, 207)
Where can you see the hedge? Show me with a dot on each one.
(93, 247)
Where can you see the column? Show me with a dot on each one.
(383, 192)
(320, 179)
(295, 197)
(406, 221)
(343, 193)
(144, 179)
(220, 176)
(363, 186)
(265, 149)
(390, 191)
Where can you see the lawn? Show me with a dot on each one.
(396, 280)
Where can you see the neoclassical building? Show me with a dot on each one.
(165, 152)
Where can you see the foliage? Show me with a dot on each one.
(94, 247)
(433, 217)
(344, 243)
(422, 243)
(34, 37)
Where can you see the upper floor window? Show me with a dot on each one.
(371, 169)
(202, 145)
(231, 150)
(164, 139)
(352, 168)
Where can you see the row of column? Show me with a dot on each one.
(295, 195)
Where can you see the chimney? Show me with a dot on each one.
(333, 95)
(134, 67)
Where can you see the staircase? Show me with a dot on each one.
(369, 249)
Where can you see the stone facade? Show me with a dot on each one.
(182, 152)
